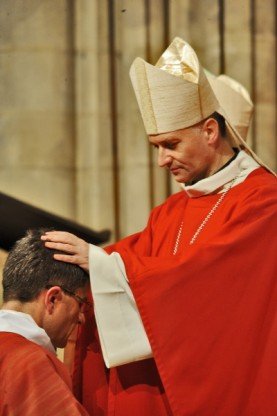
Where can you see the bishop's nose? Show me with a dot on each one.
(164, 158)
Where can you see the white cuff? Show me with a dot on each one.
(122, 336)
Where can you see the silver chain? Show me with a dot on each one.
(204, 222)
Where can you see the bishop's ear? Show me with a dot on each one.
(52, 298)
(211, 131)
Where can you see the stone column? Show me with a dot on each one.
(237, 46)
(37, 163)
(133, 146)
(95, 175)
(265, 81)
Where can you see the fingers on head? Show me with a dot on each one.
(60, 247)
(66, 258)
(59, 236)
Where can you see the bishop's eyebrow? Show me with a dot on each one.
(162, 142)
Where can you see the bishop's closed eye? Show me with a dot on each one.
(170, 145)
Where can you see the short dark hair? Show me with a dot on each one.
(221, 122)
(30, 267)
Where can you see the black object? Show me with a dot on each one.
(16, 217)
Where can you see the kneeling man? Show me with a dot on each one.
(44, 300)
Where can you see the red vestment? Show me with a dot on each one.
(209, 311)
(33, 381)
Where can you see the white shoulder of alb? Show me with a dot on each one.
(23, 324)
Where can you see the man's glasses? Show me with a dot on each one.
(84, 304)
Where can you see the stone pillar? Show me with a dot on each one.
(265, 81)
(37, 163)
(95, 176)
(237, 46)
(133, 146)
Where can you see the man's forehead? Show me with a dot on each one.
(161, 138)
(171, 135)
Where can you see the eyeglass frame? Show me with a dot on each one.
(81, 301)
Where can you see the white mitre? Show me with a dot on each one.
(176, 94)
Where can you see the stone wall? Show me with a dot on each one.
(72, 140)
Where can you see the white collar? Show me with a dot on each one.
(239, 168)
(23, 324)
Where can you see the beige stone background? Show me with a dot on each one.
(72, 141)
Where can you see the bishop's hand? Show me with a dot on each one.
(75, 249)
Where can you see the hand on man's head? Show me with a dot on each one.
(75, 249)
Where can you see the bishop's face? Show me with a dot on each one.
(185, 153)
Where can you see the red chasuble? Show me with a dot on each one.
(209, 311)
(33, 382)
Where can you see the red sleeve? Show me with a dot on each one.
(138, 248)
(139, 243)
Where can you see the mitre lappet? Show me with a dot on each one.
(235, 100)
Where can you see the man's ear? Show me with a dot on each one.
(211, 131)
(52, 297)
